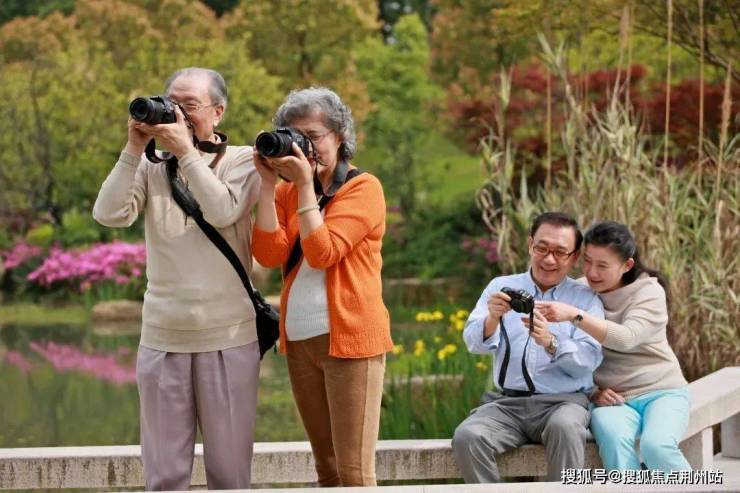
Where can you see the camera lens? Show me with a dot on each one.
(273, 144)
(141, 108)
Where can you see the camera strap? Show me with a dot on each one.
(507, 354)
(342, 174)
(190, 207)
(204, 145)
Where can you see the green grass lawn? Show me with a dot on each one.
(33, 314)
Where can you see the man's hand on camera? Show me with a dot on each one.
(174, 137)
(295, 168)
(137, 140)
(539, 331)
(498, 305)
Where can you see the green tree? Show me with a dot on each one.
(309, 42)
(392, 10)
(10, 9)
(66, 83)
(403, 96)
(721, 27)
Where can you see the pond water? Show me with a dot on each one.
(68, 385)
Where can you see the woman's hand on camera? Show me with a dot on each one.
(268, 175)
(295, 168)
(137, 140)
(606, 397)
(554, 311)
(174, 137)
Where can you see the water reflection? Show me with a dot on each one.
(65, 385)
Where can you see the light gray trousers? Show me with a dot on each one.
(216, 390)
(559, 421)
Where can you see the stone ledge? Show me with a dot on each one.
(715, 398)
(274, 462)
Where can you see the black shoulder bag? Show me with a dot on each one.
(268, 319)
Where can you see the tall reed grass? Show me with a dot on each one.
(686, 220)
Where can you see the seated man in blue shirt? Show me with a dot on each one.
(543, 375)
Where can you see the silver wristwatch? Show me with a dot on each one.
(552, 348)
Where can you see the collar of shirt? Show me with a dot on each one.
(552, 294)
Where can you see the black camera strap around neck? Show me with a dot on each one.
(203, 145)
(342, 174)
(507, 354)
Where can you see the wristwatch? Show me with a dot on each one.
(552, 348)
(578, 319)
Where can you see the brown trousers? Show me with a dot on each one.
(218, 391)
(339, 402)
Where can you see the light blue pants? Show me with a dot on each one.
(659, 418)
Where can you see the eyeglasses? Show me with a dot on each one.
(559, 254)
(195, 107)
(316, 137)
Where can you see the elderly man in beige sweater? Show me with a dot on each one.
(198, 359)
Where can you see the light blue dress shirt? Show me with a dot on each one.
(578, 354)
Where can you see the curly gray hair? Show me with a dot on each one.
(303, 103)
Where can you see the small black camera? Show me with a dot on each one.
(278, 142)
(521, 301)
(153, 110)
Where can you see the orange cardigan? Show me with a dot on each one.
(348, 247)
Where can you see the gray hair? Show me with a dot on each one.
(303, 103)
(217, 89)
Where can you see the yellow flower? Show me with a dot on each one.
(446, 351)
(419, 317)
(437, 315)
(481, 366)
(437, 339)
(398, 349)
(462, 314)
(459, 325)
(419, 348)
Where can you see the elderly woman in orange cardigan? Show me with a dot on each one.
(334, 326)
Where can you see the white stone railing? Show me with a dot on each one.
(715, 399)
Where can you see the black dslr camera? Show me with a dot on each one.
(521, 301)
(153, 110)
(278, 142)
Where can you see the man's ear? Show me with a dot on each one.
(577, 255)
(219, 115)
(530, 242)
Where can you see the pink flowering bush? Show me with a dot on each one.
(483, 247)
(101, 271)
(18, 255)
(110, 270)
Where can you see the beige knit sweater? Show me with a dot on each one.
(637, 357)
(194, 301)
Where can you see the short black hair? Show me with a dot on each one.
(557, 219)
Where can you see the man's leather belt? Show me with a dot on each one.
(517, 393)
